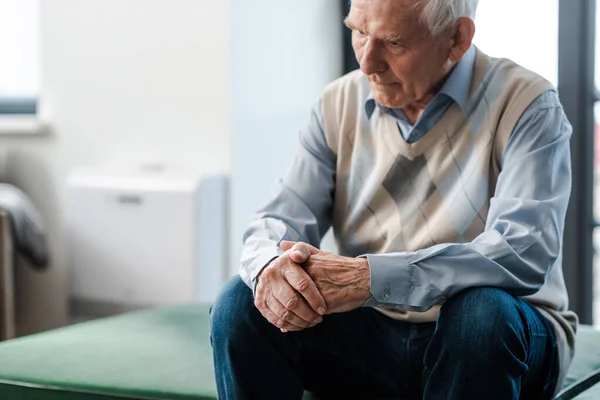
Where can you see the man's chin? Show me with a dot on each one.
(385, 98)
(388, 102)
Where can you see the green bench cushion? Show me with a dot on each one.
(154, 354)
(587, 354)
(587, 359)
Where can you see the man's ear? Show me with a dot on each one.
(462, 38)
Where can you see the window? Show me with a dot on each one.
(529, 37)
(19, 22)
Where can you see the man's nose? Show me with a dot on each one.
(371, 61)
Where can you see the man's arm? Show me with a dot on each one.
(523, 234)
(301, 207)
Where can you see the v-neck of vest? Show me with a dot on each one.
(453, 119)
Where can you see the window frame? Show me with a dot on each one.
(577, 90)
(21, 105)
(18, 106)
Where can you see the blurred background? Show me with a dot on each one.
(138, 137)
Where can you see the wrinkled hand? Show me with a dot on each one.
(344, 282)
(286, 296)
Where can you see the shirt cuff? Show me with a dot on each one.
(390, 279)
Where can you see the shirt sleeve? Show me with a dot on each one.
(301, 206)
(523, 234)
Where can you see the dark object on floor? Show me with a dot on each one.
(26, 223)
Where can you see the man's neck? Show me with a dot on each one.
(414, 111)
(413, 114)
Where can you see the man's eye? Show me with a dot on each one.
(395, 44)
(360, 33)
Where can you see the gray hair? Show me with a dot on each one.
(440, 15)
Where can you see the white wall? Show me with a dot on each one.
(209, 85)
(283, 55)
(122, 80)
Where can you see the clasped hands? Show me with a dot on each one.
(296, 289)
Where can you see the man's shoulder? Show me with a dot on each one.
(342, 103)
(515, 76)
(509, 88)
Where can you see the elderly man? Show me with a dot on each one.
(445, 175)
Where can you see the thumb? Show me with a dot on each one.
(294, 253)
(286, 245)
(306, 248)
(301, 252)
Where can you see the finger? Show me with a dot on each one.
(305, 248)
(300, 252)
(277, 322)
(302, 282)
(298, 255)
(285, 245)
(273, 318)
(286, 315)
(311, 326)
(293, 301)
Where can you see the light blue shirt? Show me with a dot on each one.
(536, 173)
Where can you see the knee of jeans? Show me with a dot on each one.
(231, 311)
(481, 316)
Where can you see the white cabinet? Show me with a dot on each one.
(146, 238)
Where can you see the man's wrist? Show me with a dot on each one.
(363, 280)
(260, 273)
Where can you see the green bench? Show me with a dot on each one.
(154, 354)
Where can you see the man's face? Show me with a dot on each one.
(403, 62)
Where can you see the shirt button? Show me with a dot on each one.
(386, 293)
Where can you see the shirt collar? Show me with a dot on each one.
(457, 86)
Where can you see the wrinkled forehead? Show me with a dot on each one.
(383, 18)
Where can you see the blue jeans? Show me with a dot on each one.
(486, 344)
